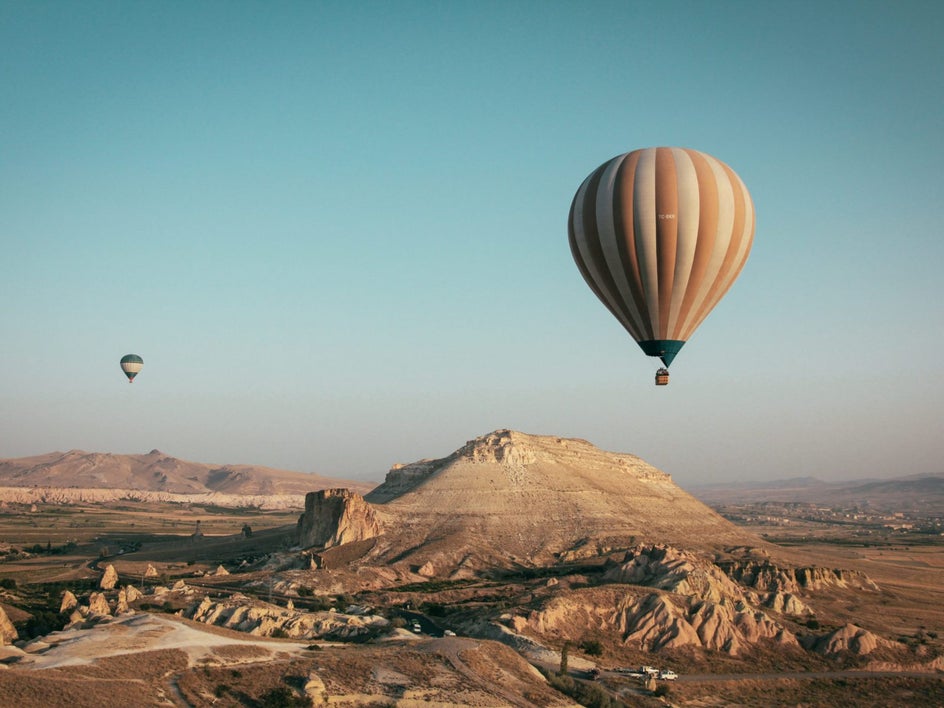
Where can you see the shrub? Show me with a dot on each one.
(592, 647)
(282, 697)
(588, 695)
(42, 623)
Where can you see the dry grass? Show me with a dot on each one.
(812, 693)
(240, 652)
(146, 665)
(40, 690)
(129, 680)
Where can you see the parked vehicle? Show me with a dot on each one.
(668, 675)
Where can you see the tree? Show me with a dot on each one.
(565, 650)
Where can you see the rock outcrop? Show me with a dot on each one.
(98, 604)
(849, 639)
(654, 621)
(671, 569)
(334, 517)
(69, 602)
(109, 578)
(667, 568)
(126, 596)
(8, 633)
(245, 615)
(121, 604)
(765, 576)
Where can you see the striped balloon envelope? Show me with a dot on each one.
(660, 235)
(131, 364)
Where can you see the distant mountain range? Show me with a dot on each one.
(913, 491)
(158, 472)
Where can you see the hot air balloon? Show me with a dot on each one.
(131, 364)
(660, 234)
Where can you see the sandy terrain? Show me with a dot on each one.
(155, 660)
(137, 633)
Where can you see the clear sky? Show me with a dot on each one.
(337, 231)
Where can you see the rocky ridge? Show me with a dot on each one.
(661, 598)
(244, 614)
(59, 474)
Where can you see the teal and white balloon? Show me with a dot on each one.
(131, 364)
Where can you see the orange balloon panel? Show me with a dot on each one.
(660, 235)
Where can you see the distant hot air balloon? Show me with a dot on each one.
(131, 364)
(660, 234)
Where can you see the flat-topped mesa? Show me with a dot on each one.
(334, 517)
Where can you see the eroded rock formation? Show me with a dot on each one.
(765, 576)
(246, 615)
(69, 601)
(694, 605)
(98, 604)
(8, 632)
(849, 639)
(334, 517)
(109, 578)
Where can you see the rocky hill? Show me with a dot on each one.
(601, 546)
(155, 475)
(511, 499)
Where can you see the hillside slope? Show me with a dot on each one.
(514, 498)
(157, 472)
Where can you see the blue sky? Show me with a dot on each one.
(336, 232)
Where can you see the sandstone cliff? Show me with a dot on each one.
(334, 517)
